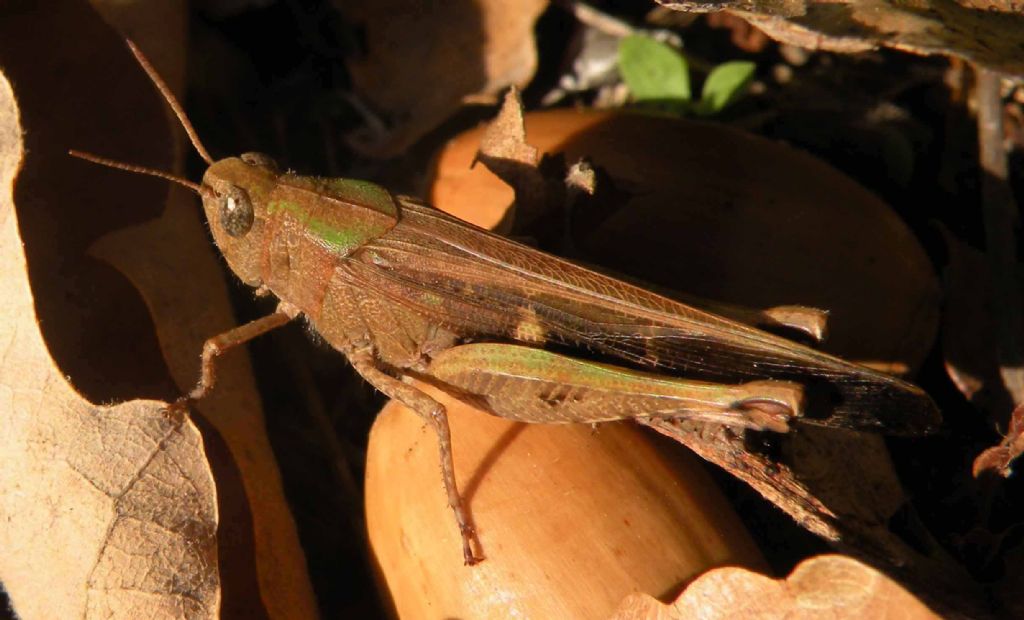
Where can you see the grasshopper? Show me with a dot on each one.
(404, 290)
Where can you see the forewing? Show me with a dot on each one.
(484, 286)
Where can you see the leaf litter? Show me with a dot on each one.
(127, 488)
(803, 106)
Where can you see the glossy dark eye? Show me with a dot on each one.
(236, 214)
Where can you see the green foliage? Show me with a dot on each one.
(653, 71)
(725, 84)
(658, 74)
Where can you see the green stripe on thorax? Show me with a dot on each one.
(358, 211)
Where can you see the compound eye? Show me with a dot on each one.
(236, 213)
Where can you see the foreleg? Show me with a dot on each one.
(221, 343)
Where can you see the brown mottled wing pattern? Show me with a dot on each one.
(483, 286)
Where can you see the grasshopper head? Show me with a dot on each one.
(235, 191)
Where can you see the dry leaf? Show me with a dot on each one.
(423, 59)
(259, 545)
(968, 338)
(971, 356)
(998, 459)
(836, 483)
(506, 153)
(824, 587)
(106, 511)
(991, 34)
(257, 531)
(570, 518)
(149, 344)
(504, 138)
(969, 333)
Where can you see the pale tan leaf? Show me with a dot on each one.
(259, 541)
(103, 103)
(825, 587)
(505, 151)
(505, 136)
(105, 510)
(186, 312)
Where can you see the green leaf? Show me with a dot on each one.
(725, 84)
(653, 71)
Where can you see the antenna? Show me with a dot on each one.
(171, 101)
(112, 163)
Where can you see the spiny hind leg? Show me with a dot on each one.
(434, 412)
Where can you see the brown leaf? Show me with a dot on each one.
(423, 59)
(969, 339)
(990, 34)
(258, 540)
(504, 137)
(828, 586)
(106, 510)
(998, 459)
(506, 153)
(256, 519)
(570, 518)
(151, 326)
(836, 483)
